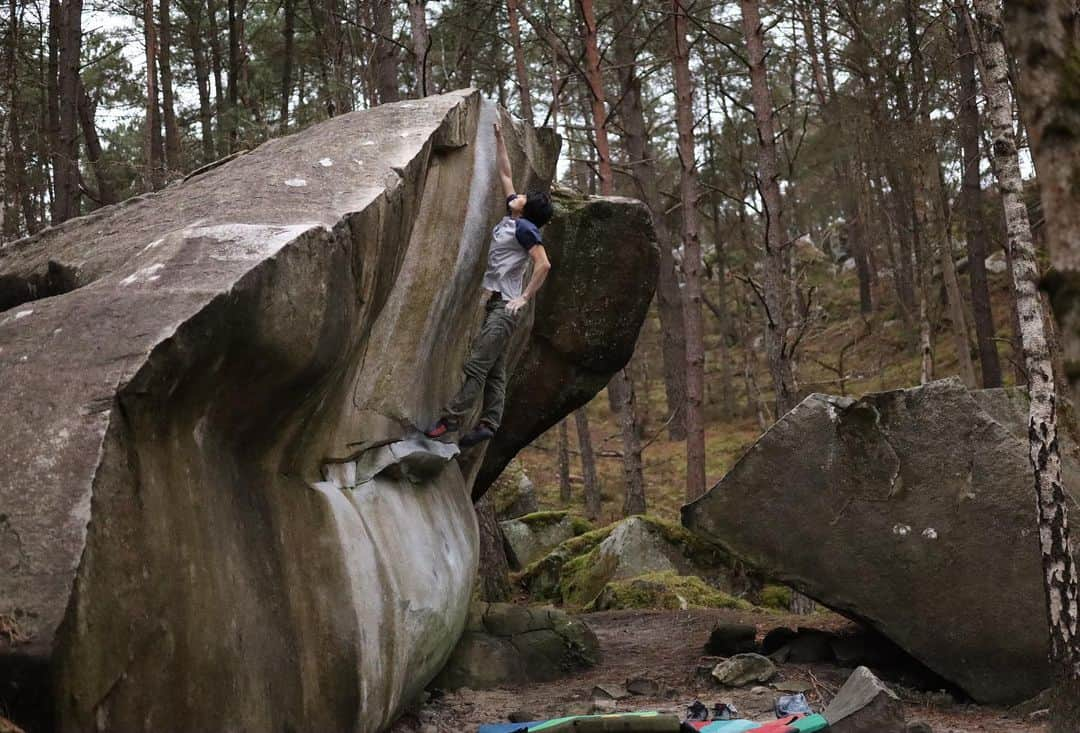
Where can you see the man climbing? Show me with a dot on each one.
(514, 242)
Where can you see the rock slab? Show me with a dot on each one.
(742, 669)
(910, 511)
(865, 705)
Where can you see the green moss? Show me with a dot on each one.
(775, 596)
(699, 551)
(663, 591)
(540, 520)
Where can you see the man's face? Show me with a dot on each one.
(517, 204)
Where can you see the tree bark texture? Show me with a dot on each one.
(168, 104)
(493, 572)
(1044, 36)
(193, 10)
(643, 169)
(774, 286)
(688, 193)
(220, 98)
(621, 390)
(564, 464)
(52, 94)
(11, 162)
(288, 34)
(588, 464)
(105, 193)
(595, 80)
(421, 42)
(385, 52)
(1059, 570)
(67, 159)
(525, 95)
(971, 203)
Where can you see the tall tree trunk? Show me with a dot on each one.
(385, 61)
(524, 92)
(1059, 569)
(564, 464)
(1045, 37)
(67, 178)
(688, 191)
(106, 193)
(493, 571)
(595, 80)
(52, 93)
(643, 168)
(421, 41)
(588, 464)
(221, 102)
(236, 32)
(11, 145)
(194, 12)
(971, 202)
(155, 177)
(621, 389)
(168, 105)
(774, 286)
(288, 33)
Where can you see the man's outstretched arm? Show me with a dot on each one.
(503, 161)
(541, 267)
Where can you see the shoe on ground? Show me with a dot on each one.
(478, 434)
(440, 428)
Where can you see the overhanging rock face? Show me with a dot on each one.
(208, 517)
(912, 511)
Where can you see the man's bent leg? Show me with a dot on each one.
(495, 394)
(487, 350)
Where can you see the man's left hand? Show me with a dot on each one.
(515, 305)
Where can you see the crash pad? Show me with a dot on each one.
(645, 722)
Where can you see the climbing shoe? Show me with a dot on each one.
(440, 428)
(479, 434)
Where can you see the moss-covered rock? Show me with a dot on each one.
(578, 570)
(775, 596)
(664, 590)
(531, 537)
(505, 644)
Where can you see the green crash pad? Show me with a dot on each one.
(632, 722)
(811, 724)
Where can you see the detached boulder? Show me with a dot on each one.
(742, 669)
(728, 639)
(910, 511)
(505, 645)
(534, 535)
(865, 705)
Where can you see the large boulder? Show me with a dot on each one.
(911, 511)
(506, 645)
(215, 510)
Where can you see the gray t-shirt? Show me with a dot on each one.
(508, 255)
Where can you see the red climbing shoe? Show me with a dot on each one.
(479, 434)
(439, 429)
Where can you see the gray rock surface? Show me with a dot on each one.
(865, 705)
(505, 644)
(742, 669)
(911, 511)
(514, 493)
(530, 538)
(216, 365)
(727, 639)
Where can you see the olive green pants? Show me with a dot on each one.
(485, 369)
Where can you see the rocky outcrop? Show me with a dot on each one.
(532, 536)
(212, 514)
(865, 705)
(507, 645)
(639, 562)
(911, 511)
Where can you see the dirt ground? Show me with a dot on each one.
(666, 646)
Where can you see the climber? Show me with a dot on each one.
(514, 242)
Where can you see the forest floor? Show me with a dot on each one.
(666, 647)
